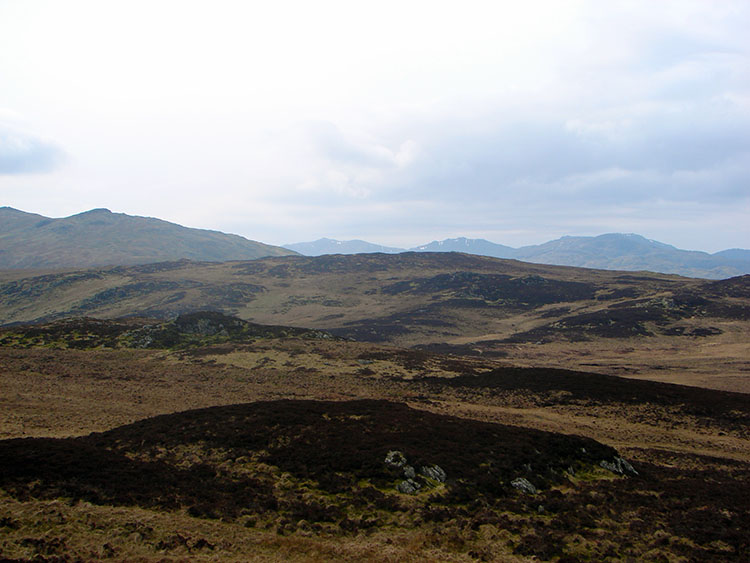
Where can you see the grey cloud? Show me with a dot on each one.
(663, 123)
(698, 152)
(636, 135)
(25, 154)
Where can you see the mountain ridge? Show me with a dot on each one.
(609, 251)
(99, 237)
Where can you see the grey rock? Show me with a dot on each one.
(409, 472)
(626, 466)
(523, 485)
(434, 472)
(408, 487)
(395, 458)
(610, 466)
(618, 465)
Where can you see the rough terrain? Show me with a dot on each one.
(286, 458)
(641, 325)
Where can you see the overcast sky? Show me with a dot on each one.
(396, 122)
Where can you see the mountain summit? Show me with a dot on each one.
(99, 237)
(333, 246)
(478, 246)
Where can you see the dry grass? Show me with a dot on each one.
(690, 452)
(472, 304)
(88, 532)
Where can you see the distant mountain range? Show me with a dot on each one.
(100, 237)
(612, 251)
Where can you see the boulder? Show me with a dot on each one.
(395, 458)
(408, 487)
(523, 485)
(428, 474)
(434, 472)
(618, 465)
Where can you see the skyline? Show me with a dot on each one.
(396, 123)
(416, 247)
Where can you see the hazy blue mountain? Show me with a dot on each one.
(616, 251)
(734, 254)
(100, 237)
(477, 246)
(612, 251)
(332, 246)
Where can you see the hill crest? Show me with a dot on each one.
(99, 237)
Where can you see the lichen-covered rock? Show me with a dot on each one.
(434, 472)
(618, 465)
(395, 458)
(428, 474)
(523, 485)
(408, 487)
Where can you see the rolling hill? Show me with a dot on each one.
(450, 302)
(100, 237)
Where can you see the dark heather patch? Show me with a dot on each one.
(309, 439)
(531, 290)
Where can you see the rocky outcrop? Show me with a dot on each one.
(429, 475)
(619, 466)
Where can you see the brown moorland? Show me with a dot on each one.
(285, 458)
(637, 325)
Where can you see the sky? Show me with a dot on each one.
(395, 122)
